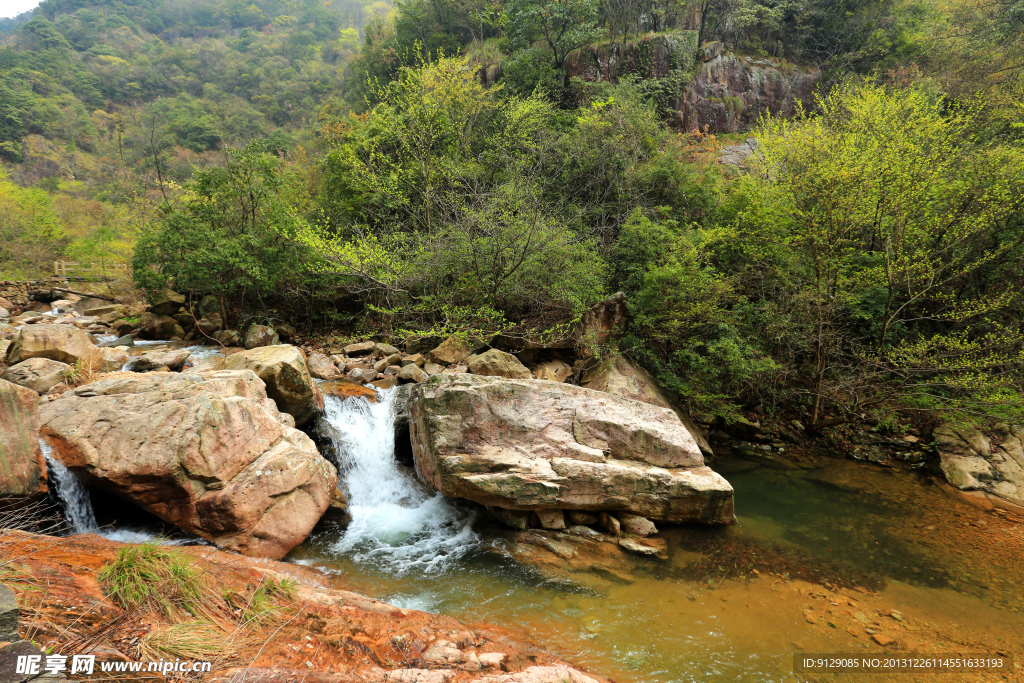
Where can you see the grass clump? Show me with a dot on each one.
(149, 576)
(264, 602)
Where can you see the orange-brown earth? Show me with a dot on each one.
(321, 633)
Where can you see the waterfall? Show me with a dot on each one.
(397, 522)
(72, 493)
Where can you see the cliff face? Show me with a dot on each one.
(730, 91)
(723, 93)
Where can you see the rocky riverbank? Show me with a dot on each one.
(306, 628)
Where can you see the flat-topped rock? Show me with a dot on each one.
(535, 445)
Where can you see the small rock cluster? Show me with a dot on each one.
(383, 365)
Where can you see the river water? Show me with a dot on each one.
(730, 604)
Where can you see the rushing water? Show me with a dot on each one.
(72, 493)
(707, 614)
(396, 521)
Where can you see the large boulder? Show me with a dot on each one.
(159, 327)
(283, 369)
(260, 335)
(532, 445)
(38, 374)
(206, 451)
(619, 375)
(971, 462)
(497, 364)
(167, 302)
(65, 343)
(452, 350)
(322, 367)
(22, 467)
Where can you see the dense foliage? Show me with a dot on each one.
(433, 167)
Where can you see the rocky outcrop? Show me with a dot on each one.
(64, 343)
(497, 364)
(205, 451)
(620, 376)
(530, 445)
(22, 468)
(971, 462)
(283, 369)
(724, 93)
(730, 92)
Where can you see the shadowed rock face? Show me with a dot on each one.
(22, 468)
(206, 451)
(534, 445)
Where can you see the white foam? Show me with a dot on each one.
(397, 523)
(72, 493)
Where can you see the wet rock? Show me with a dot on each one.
(343, 388)
(259, 336)
(645, 546)
(283, 369)
(522, 444)
(172, 359)
(452, 350)
(37, 374)
(386, 382)
(124, 340)
(636, 525)
(22, 468)
(63, 343)
(321, 367)
(219, 461)
(497, 363)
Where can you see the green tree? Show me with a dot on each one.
(564, 25)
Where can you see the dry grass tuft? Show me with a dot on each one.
(85, 370)
(202, 640)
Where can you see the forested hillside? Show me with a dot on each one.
(492, 167)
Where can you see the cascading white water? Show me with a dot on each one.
(396, 521)
(73, 495)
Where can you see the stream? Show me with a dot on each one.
(730, 604)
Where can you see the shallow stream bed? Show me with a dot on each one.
(822, 559)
